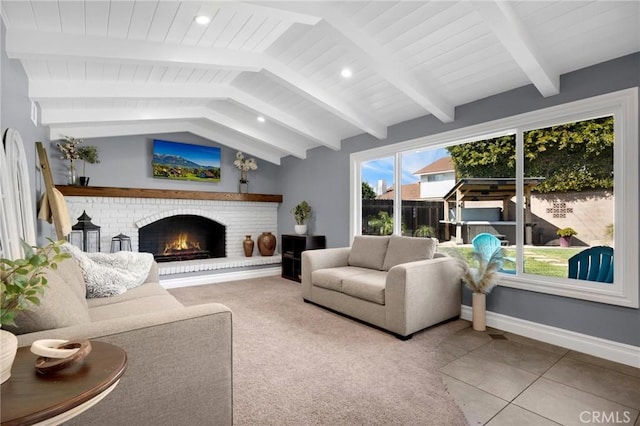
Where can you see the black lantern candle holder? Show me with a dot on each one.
(120, 242)
(85, 234)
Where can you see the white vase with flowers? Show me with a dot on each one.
(244, 165)
(70, 151)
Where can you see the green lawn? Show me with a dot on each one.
(547, 261)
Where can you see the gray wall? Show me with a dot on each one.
(323, 180)
(125, 162)
(16, 110)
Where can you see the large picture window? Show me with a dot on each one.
(558, 187)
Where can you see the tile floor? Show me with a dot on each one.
(502, 379)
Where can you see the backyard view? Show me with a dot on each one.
(548, 261)
(463, 190)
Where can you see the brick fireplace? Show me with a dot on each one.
(232, 218)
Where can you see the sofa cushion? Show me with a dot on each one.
(368, 251)
(408, 249)
(142, 305)
(71, 274)
(331, 278)
(145, 290)
(59, 307)
(367, 286)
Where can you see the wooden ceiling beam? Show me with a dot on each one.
(26, 45)
(512, 33)
(60, 116)
(53, 90)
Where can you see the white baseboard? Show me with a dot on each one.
(220, 277)
(596, 346)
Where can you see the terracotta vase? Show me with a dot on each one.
(479, 307)
(266, 244)
(248, 245)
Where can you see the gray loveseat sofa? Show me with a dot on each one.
(179, 367)
(397, 283)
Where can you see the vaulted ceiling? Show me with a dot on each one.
(115, 68)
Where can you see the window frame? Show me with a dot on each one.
(623, 105)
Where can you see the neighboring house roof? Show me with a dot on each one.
(410, 191)
(445, 164)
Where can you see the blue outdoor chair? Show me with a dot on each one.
(486, 244)
(592, 264)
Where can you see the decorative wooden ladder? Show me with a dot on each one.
(49, 186)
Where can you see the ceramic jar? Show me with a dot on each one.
(248, 245)
(266, 244)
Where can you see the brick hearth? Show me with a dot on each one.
(126, 215)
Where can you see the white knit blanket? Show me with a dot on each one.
(110, 274)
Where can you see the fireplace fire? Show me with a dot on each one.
(182, 242)
(183, 237)
(182, 248)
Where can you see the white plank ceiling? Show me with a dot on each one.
(114, 68)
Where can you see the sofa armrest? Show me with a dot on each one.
(154, 275)
(422, 293)
(313, 260)
(179, 366)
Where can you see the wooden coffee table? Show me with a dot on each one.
(31, 398)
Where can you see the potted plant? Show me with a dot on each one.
(301, 214)
(88, 154)
(22, 284)
(481, 281)
(565, 235)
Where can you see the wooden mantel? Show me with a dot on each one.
(103, 191)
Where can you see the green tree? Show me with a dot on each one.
(483, 159)
(367, 192)
(571, 157)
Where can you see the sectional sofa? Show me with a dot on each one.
(179, 358)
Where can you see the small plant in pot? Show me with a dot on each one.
(88, 154)
(565, 235)
(22, 284)
(301, 213)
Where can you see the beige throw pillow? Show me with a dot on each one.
(368, 251)
(408, 249)
(59, 307)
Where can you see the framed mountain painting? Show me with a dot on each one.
(182, 161)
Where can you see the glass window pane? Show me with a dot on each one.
(483, 199)
(427, 176)
(377, 196)
(572, 208)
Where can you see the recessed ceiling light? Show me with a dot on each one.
(203, 20)
(261, 119)
(346, 73)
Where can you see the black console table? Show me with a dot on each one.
(292, 248)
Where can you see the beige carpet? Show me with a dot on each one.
(298, 364)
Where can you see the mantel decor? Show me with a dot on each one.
(244, 165)
(70, 150)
